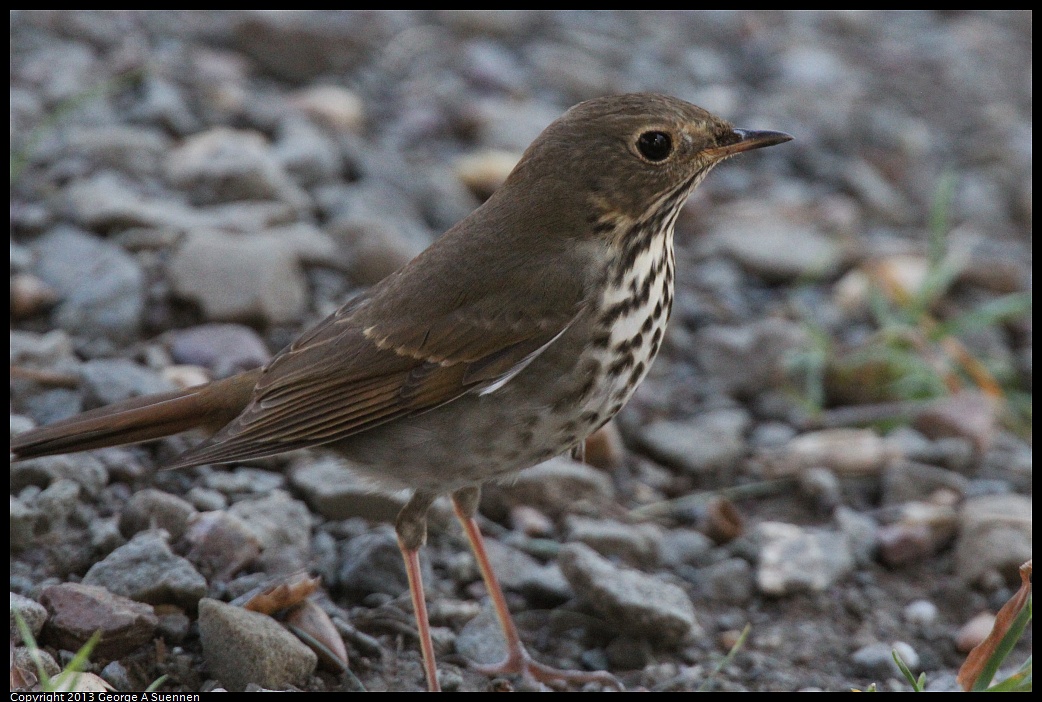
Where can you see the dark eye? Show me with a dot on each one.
(655, 146)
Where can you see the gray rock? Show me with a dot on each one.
(481, 639)
(335, 107)
(78, 610)
(555, 486)
(223, 348)
(708, 443)
(957, 453)
(221, 544)
(491, 63)
(730, 581)
(496, 23)
(278, 521)
(242, 647)
(108, 380)
(1010, 460)
(772, 245)
(49, 406)
(996, 264)
(19, 424)
(246, 216)
(766, 435)
(32, 613)
(64, 67)
(920, 613)
(372, 562)
(877, 660)
(629, 653)
(207, 500)
(637, 545)
(117, 675)
(83, 469)
(225, 165)
(24, 523)
(572, 68)
(298, 45)
(906, 481)
(684, 547)
(913, 445)
(54, 348)
(102, 288)
(306, 153)
(240, 278)
(794, 559)
(519, 572)
(845, 452)
(861, 531)
(146, 570)
(443, 200)
(745, 360)
(970, 415)
(245, 481)
(877, 193)
(632, 601)
(174, 625)
(104, 535)
(512, 124)
(821, 485)
(106, 202)
(813, 67)
(24, 659)
(163, 103)
(136, 151)
(150, 508)
(378, 228)
(57, 503)
(994, 538)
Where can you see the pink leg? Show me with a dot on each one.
(518, 660)
(411, 526)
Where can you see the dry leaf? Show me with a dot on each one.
(312, 625)
(291, 591)
(982, 653)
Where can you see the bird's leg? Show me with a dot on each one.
(518, 660)
(411, 526)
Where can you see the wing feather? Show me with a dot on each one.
(343, 378)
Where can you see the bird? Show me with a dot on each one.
(517, 334)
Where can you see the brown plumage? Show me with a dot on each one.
(518, 333)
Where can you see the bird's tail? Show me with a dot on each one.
(138, 419)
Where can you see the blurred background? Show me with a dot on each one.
(850, 345)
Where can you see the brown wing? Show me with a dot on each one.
(489, 294)
(346, 376)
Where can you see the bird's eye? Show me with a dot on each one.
(655, 146)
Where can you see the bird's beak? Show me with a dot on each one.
(747, 140)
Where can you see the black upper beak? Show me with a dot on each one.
(747, 140)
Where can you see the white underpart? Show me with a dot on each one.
(630, 324)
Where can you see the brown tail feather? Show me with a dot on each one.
(138, 419)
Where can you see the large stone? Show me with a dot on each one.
(243, 647)
(634, 602)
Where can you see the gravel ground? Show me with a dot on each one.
(820, 451)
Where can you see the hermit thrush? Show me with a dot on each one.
(516, 335)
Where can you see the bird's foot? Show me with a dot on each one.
(520, 662)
